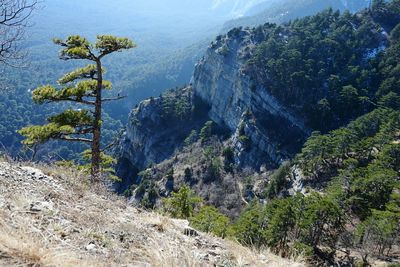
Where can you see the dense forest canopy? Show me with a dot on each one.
(330, 68)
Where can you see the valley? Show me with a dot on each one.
(251, 125)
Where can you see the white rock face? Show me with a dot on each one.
(220, 81)
(263, 132)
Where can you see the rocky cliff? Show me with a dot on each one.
(156, 129)
(254, 98)
(249, 120)
(220, 80)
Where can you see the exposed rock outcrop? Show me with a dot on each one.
(262, 131)
(156, 129)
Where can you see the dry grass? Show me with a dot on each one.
(20, 247)
(78, 224)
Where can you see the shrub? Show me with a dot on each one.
(278, 180)
(207, 131)
(250, 227)
(191, 138)
(182, 203)
(210, 220)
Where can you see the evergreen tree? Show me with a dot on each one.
(182, 203)
(83, 86)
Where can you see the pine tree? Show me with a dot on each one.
(82, 86)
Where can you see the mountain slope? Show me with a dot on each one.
(53, 218)
(283, 11)
(260, 93)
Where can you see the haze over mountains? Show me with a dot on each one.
(171, 37)
(275, 123)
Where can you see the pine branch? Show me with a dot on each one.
(113, 99)
(75, 139)
(86, 102)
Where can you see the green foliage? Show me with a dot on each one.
(359, 138)
(107, 164)
(82, 73)
(40, 134)
(309, 221)
(379, 232)
(282, 218)
(391, 100)
(250, 228)
(395, 34)
(224, 51)
(229, 158)
(207, 131)
(322, 221)
(208, 219)
(332, 68)
(182, 203)
(179, 108)
(213, 170)
(84, 87)
(386, 12)
(73, 118)
(245, 141)
(371, 189)
(77, 47)
(107, 44)
(191, 138)
(147, 191)
(170, 174)
(278, 180)
(326, 67)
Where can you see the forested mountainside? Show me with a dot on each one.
(255, 98)
(168, 48)
(285, 10)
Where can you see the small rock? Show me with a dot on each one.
(190, 232)
(91, 247)
(40, 206)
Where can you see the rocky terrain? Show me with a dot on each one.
(223, 93)
(50, 216)
(260, 131)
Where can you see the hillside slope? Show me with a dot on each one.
(285, 10)
(265, 90)
(51, 217)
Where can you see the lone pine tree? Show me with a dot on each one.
(83, 86)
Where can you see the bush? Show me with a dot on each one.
(278, 181)
(207, 131)
(378, 233)
(250, 227)
(210, 220)
(182, 203)
(229, 158)
(191, 138)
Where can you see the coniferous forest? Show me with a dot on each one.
(279, 131)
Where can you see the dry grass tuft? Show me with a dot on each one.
(21, 247)
(74, 223)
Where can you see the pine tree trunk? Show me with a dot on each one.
(95, 168)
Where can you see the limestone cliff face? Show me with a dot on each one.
(156, 128)
(260, 129)
(220, 80)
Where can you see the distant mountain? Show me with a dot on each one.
(238, 8)
(284, 10)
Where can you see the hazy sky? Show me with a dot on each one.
(181, 19)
